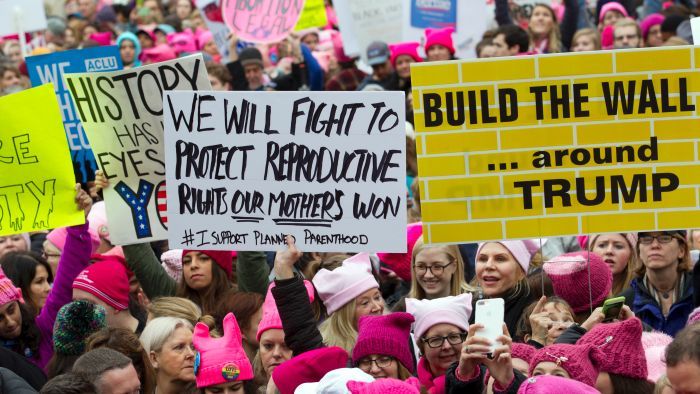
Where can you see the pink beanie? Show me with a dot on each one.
(98, 220)
(159, 53)
(58, 237)
(271, 316)
(694, 316)
(454, 310)
(345, 283)
(171, 261)
(387, 335)
(655, 338)
(385, 386)
(222, 258)
(619, 347)
(8, 291)
(107, 280)
(550, 384)
(611, 6)
(220, 360)
(308, 367)
(519, 250)
(569, 275)
(607, 37)
(574, 359)
(182, 42)
(649, 21)
(405, 48)
(522, 351)
(204, 37)
(400, 263)
(439, 37)
(656, 364)
(103, 38)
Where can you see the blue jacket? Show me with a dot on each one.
(648, 310)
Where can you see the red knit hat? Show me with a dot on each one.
(308, 367)
(107, 280)
(400, 263)
(439, 37)
(385, 386)
(575, 359)
(386, 335)
(223, 258)
(569, 274)
(620, 348)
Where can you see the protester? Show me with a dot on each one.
(438, 44)
(618, 252)
(683, 361)
(168, 343)
(627, 34)
(109, 370)
(32, 274)
(383, 346)
(586, 39)
(437, 272)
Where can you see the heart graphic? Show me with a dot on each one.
(161, 204)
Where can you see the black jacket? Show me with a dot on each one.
(23, 368)
(456, 386)
(298, 322)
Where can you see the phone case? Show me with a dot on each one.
(490, 313)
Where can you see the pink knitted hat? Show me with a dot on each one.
(58, 237)
(203, 38)
(182, 42)
(8, 291)
(694, 316)
(171, 261)
(386, 335)
(655, 338)
(569, 275)
(102, 38)
(522, 351)
(400, 263)
(385, 386)
(619, 347)
(575, 359)
(271, 316)
(439, 37)
(159, 53)
(308, 367)
(405, 48)
(656, 364)
(519, 250)
(107, 280)
(550, 384)
(607, 37)
(649, 21)
(220, 360)
(611, 6)
(98, 220)
(454, 310)
(345, 283)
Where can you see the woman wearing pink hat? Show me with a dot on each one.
(13, 243)
(32, 336)
(402, 55)
(440, 329)
(220, 364)
(618, 250)
(437, 271)
(438, 44)
(501, 269)
(610, 13)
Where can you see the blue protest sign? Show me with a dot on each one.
(434, 13)
(50, 68)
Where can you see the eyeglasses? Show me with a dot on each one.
(648, 239)
(382, 362)
(436, 269)
(47, 255)
(452, 339)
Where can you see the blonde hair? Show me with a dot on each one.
(457, 284)
(622, 282)
(554, 36)
(175, 307)
(339, 329)
(587, 32)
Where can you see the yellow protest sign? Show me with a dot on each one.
(312, 15)
(36, 171)
(560, 144)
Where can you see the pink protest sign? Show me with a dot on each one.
(262, 20)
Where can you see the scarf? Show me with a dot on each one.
(434, 385)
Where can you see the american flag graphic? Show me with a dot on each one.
(161, 203)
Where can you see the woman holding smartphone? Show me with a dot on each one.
(501, 270)
(663, 288)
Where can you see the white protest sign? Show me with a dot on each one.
(364, 21)
(21, 16)
(245, 169)
(122, 115)
(470, 26)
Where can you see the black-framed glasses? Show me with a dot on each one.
(662, 238)
(435, 269)
(365, 364)
(452, 339)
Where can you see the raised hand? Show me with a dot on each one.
(285, 259)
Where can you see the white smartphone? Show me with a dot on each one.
(489, 313)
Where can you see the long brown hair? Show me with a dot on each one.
(622, 281)
(209, 298)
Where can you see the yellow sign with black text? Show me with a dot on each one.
(554, 145)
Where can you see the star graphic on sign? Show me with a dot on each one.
(123, 189)
(141, 201)
(133, 202)
(138, 208)
(140, 217)
(143, 194)
(142, 226)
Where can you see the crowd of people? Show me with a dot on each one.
(81, 315)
